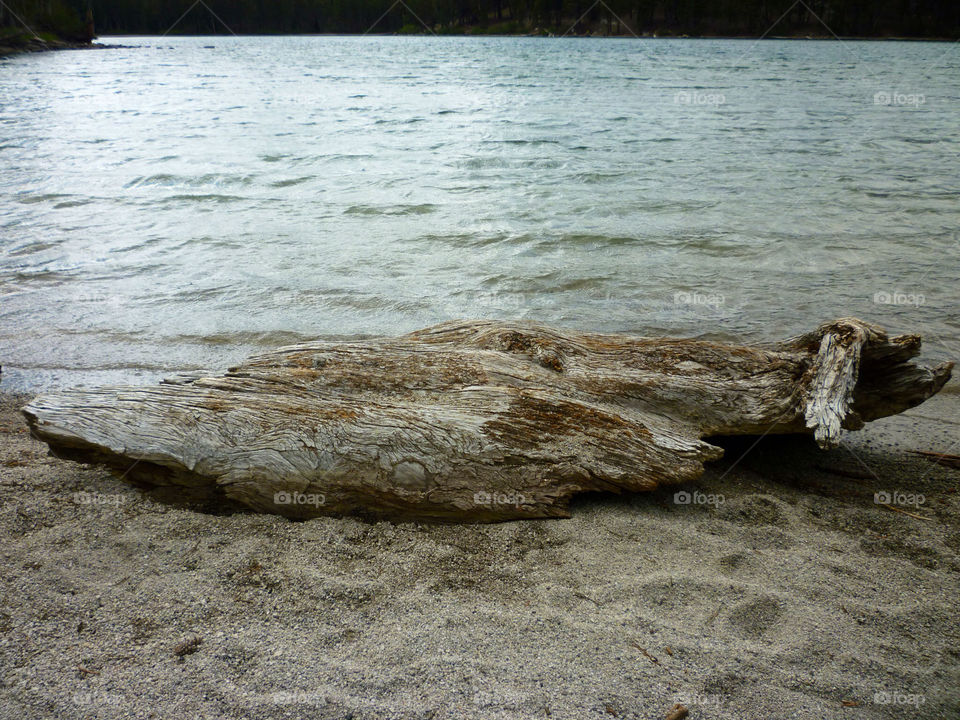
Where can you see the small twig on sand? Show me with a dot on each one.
(714, 615)
(905, 512)
(647, 655)
(82, 669)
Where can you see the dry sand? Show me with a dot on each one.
(797, 597)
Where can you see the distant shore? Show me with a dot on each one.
(479, 33)
(24, 44)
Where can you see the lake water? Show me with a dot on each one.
(185, 202)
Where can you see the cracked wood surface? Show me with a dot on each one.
(477, 420)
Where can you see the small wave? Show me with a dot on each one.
(51, 276)
(167, 180)
(30, 248)
(391, 121)
(582, 283)
(291, 182)
(369, 303)
(592, 241)
(423, 209)
(539, 141)
(333, 158)
(270, 338)
(152, 180)
(209, 197)
(505, 163)
(72, 203)
(28, 199)
(468, 240)
(593, 178)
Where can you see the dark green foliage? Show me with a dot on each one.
(907, 18)
(50, 20)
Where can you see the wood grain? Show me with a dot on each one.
(478, 420)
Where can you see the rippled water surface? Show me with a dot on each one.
(173, 205)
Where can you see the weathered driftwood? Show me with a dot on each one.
(478, 421)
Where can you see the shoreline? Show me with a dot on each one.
(797, 595)
(38, 46)
(622, 36)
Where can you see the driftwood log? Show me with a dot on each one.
(478, 421)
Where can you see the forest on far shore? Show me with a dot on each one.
(68, 19)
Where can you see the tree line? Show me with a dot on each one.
(864, 18)
(47, 19)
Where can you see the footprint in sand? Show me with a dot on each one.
(753, 510)
(753, 619)
(733, 562)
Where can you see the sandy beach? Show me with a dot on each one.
(781, 590)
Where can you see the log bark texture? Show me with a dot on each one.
(480, 420)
